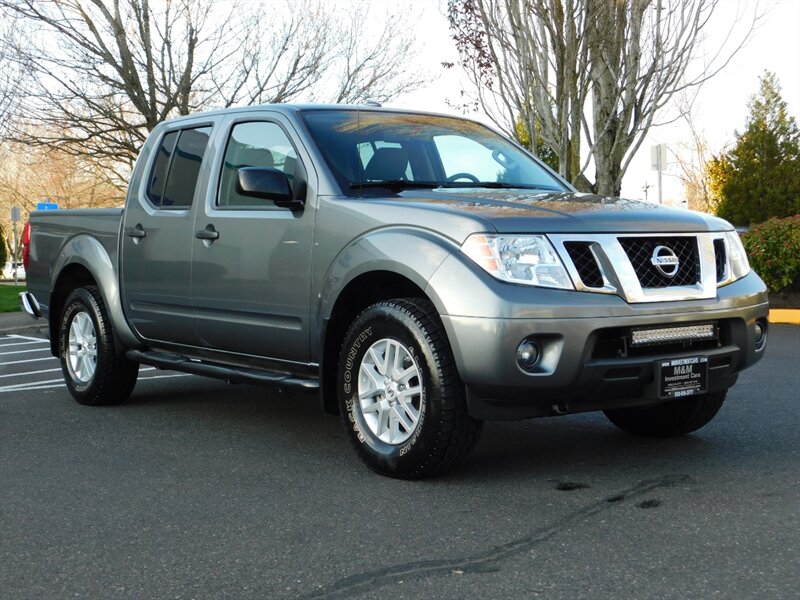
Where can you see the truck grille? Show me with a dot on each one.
(640, 252)
(585, 263)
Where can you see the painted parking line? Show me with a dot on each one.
(15, 385)
(27, 360)
(23, 373)
(45, 349)
(23, 343)
(49, 384)
(26, 337)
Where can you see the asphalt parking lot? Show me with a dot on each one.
(198, 489)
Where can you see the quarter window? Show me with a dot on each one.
(254, 144)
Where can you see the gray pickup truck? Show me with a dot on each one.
(421, 272)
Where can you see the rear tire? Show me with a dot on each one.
(400, 396)
(94, 372)
(670, 419)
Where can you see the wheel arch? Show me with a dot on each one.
(84, 261)
(362, 291)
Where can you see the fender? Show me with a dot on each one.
(411, 252)
(88, 252)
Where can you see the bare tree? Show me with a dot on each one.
(547, 60)
(100, 74)
(528, 61)
(692, 158)
(9, 77)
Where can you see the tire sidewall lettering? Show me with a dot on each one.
(350, 365)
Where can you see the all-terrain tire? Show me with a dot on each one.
(95, 373)
(428, 430)
(670, 419)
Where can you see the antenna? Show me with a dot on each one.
(372, 103)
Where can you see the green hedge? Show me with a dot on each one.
(773, 248)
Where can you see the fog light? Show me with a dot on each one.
(759, 335)
(528, 355)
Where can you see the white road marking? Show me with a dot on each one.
(26, 351)
(22, 386)
(49, 384)
(41, 387)
(25, 337)
(29, 373)
(19, 362)
(52, 370)
(22, 343)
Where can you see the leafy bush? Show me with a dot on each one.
(773, 248)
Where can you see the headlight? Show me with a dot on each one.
(737, 257)
(526, 259)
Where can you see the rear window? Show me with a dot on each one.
(175, 172)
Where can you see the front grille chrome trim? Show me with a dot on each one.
(619, 276)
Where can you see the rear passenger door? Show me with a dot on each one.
(158, 235)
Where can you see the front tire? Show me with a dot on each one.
(94, 372)
(400, 396)
(670, 419)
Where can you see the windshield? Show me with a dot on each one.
(385, 150)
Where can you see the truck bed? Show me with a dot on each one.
(52, 231)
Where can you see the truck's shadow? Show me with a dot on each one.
(582, 446)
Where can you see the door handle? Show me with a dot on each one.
(137, 232)
(209, 233)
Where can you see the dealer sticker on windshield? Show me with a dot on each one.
(682, 377)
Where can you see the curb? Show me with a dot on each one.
(789, 316)
(18, 323)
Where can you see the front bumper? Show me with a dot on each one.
(585, 364)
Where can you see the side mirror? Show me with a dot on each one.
(266, 183)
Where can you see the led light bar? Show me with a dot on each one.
(668, 335)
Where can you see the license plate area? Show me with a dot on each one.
(679, 377)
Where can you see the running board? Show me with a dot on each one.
(176, 362)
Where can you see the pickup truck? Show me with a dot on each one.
(421, 272)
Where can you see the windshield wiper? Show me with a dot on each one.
(395, 184)
(501, 185)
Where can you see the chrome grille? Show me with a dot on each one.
(640, 252)
(585, 263)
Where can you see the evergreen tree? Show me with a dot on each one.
(760, 177)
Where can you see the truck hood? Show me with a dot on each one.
(512, 211)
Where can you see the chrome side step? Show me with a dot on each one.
(232, 374)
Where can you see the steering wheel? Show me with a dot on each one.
(457, 176)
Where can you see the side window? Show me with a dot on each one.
(254, 144)
(155, 188)
(176, 169)
(185, 168)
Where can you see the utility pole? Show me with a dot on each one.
(645, 189)
(658, 162)
(14, 221)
